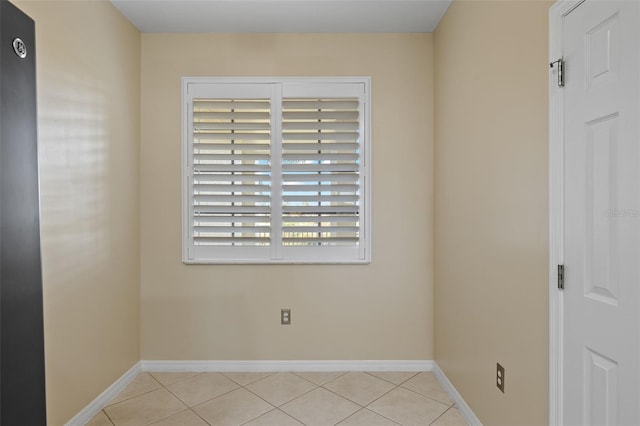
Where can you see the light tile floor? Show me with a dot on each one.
(281, 399)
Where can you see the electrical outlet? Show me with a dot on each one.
(285, 316)
(500, 377)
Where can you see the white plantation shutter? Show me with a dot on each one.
(320, 172)
(229, 171)
(275, 172)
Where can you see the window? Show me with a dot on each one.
(276, 170)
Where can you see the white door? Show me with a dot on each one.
(601, 324)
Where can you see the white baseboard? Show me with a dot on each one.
(461, 405)
(103, 399)
(269, 366)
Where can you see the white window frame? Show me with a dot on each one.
(276, 253)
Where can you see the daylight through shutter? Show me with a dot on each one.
(231, 172)
(320, 172)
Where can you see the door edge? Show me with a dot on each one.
(557, 12)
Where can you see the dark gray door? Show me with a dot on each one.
(22, 390)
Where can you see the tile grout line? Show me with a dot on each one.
(357, 403)
(366, 407)
(342, 373)
(446, 411)
(107, 416)
(350, 415)
(177, 381)
(381, 396)
(239, 386)
(168, 390)
(109, 404)
(199, 416)
(361, 407)
(374, 412)
(206, 400)
(293, 399)
(277, 407)
(258, 396)
(289, 415)
(188, 408)
(316, 386)
(268, 374)
(165, 388)
(410, 390)
(428, 397)
(330, 391)
(388, 381)
(273, 407)
(244, 387)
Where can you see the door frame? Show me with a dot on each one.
(557, 12)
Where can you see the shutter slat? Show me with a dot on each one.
(345, 104)
(232, 136)
(201, 220)
(325, 136)
(237, 167)
(229, 229)
(320, 157)
(321, 115)
(334, 189)
(307, 240)
(204, 209)
(230, 157)
(236, 116)
(228, 178)
(317, 218)
(349, 167)
(231, 198)
(324, 177)
(200, 187)
(325, 146)
(319, 125)
(332, 229)
(203, 105)
(209, 145)
(351, 198)
(235, 240)
(204, 126)
(320, 209)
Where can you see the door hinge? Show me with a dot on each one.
(561, 277)
(560, 63)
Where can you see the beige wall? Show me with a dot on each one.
(491, 206)
(379, 311)
(88, 64)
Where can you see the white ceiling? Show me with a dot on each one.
(344, 16)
